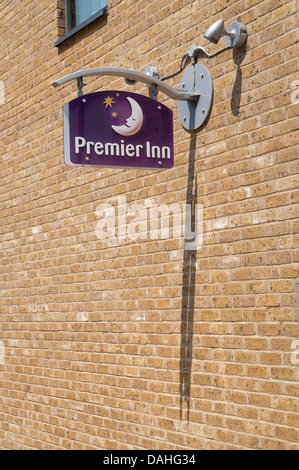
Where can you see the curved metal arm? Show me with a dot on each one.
(193, 51)
(173, 93)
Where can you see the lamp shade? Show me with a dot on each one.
(214, 32)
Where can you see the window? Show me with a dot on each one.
(81, 10)
(79, 13)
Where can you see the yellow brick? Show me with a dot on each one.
(146, 345)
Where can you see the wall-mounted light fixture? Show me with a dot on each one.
(236, 36)
(195, 94)
(236, 33)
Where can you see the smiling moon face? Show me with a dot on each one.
(133, 123)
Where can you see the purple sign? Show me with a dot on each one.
(118, 129)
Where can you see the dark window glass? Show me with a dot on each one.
(81, 10)
(74, 15)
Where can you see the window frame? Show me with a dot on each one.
(71, 32)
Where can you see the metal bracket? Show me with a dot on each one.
(131, 75)
(80, 85)
(195, 92)
(153, 89)
(197, 79)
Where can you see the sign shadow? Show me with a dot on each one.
(188, 293)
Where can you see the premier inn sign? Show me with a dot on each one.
(118, 129)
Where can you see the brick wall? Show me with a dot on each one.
(147, 345)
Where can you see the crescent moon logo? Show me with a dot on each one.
(133, 123)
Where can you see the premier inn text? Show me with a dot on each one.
(121, 150)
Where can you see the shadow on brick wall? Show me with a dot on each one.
(188, 293)
(238, 56)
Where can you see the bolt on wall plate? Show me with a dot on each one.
(197, 79)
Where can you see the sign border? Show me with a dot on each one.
(67, 146)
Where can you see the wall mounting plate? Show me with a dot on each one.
(239, 32)
(197, 79)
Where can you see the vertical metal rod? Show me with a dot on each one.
(80, 86)
(194, 79)
(153, 92)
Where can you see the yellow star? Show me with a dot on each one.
(114, 115)
(109, 102)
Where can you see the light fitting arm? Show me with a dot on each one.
(194, 51)
(178, 95)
